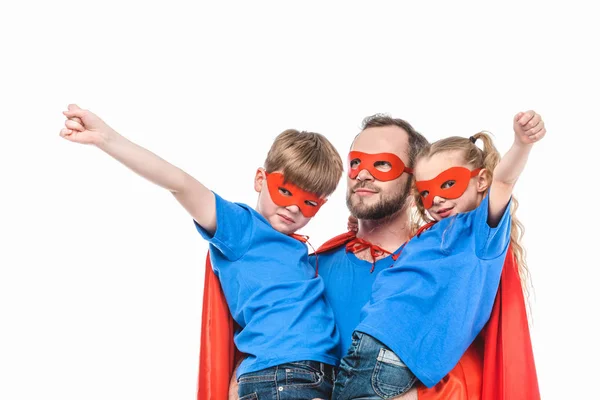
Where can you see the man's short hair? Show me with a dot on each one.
(416, 141)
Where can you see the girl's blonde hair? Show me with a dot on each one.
(488, 158)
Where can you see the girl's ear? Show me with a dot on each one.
(483, 180)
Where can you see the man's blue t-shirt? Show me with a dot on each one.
(271, 290)
(438, 296)
(348, 282)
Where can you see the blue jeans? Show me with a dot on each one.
(292, 381)
(371, 371)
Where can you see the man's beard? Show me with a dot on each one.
(387, 206)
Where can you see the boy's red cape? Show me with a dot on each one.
(499, 364)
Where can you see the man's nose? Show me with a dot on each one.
(364, 175)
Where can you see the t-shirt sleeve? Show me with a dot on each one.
(491, 242)
(235, 224)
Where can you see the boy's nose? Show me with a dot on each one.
(293, 208)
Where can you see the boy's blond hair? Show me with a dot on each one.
(306, 159)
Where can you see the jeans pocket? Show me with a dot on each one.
(300, 375)
(251, 396)
(390, 376)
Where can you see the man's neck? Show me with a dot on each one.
(388, 233)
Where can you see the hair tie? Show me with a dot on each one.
(473, 139)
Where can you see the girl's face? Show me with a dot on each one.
(435, 179)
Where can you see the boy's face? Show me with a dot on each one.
(434, 169)
(286, 220)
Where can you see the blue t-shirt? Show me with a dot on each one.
(348, 283)
(271, 290)
(438, 296)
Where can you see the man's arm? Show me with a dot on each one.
(85, 127)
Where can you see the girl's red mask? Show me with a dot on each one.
(435, 187)
(374, 162)
(308, 203)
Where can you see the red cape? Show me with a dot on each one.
(499, 364)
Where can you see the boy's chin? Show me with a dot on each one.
(283, 228)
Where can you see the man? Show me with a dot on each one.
(383, 212)
(382, 207)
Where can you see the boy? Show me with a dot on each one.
(286, 328)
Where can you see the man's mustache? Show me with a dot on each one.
(364, 185)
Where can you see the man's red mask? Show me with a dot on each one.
(382, 166)
(450, 184)
(288, 194)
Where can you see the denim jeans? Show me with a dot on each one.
(371, 370)
(293, 381)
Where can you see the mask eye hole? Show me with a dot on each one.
(285, 192)
(424, 193)
(354, 163)
(383, 166)
(310, 203)
(448, 184)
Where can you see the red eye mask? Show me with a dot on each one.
(391, 164)
(289, 194)
(435, 187)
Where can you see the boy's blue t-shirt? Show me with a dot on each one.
(438, 296)
(271, 289)
(348, 284)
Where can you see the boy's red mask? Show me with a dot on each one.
(461, 177)
(370, 162)
(308, 203)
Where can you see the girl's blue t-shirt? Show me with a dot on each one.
(271, 289)
(438, 296)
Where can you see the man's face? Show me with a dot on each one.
(367, 197)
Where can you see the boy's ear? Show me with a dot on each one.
(259, 179)
(483, 180)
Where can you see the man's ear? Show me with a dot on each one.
(483, 180)
(259, 179)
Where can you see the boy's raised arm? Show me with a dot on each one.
(85, 127)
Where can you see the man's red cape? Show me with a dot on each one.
(499, 364)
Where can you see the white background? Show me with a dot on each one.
(101, 273)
